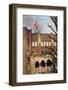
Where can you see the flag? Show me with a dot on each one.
(35, 26)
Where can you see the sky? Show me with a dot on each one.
(42, 20)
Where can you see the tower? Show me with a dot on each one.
(26, 50)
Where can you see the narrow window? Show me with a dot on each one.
(55, 43)
(35, 43)
(44, 43)
(32, 43)
(49, 43)
(41, 43)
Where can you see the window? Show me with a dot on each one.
(49, 43)
(35, 43)
(32, 43)
(55, 43)
(46, 43)
(42, 43)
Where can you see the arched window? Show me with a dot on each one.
(49, 62)
(36, 64)
(42, 63)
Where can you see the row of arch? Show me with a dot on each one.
(43, 43)
(43, 64)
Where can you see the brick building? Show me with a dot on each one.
(39, 52)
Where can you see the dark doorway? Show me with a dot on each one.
(42, 63)
(49, 62)
(36, 64)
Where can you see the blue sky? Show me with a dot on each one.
(43, 21)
